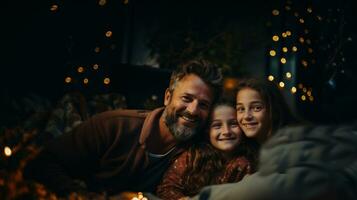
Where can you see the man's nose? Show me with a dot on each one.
(192, 108)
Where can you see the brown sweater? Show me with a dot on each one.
(106, 153)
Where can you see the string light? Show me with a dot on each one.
(68, 79)
(97, 49)
(108, 34)
(293, 90)
(270, 77)
(304, 63)
(54, 8)
(300, 85)
(296, 14)
(283, 60)
(7, 151)
(303, 97)
(102, 2)
(288, 75)
(308, 93)
(287, 8)
(311, 98)
(95, 66)
(126, 2)
(310, 50)
(272, 53)
(309, 10)
(275, 12)
(301, 20)
(301, 39)
(284, 34)
(80, 69)
(106, 81)
(285, 49)
(319, 17)
(304, 89)
(276, 38)
(288, 33)
(85, 80)
(281, 84)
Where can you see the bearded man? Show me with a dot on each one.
(129, 150)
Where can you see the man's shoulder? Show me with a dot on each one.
(123, 114)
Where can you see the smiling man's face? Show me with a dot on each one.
(187, 107)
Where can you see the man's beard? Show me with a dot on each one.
(180, 132)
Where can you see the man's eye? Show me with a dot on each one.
(204, 106)
(185, 99)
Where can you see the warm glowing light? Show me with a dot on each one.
(80, 69)
(230, 83)
(309, 10)
(102, 2)
(106, 81)
(303, 97)
(275, 12)
(310, 50)
(281, 84)
(301, 20)
(54, 8)
(285, 49)
(300, 85)
(288, 33)
(301, 39)
(7, 151)
(308, 93)
(319, 18)
(95, 66)
(126, 2)
(272, 53)
(283, 60)
(270, 77)
(140, 195)
(108, 34)
(284, 35)
(276, 38)
(97, 49)
(294, 49)
(304, 63)
(293, 90)
(85, 80)
(311, 98)
(304, 89)
(288, 75)
(68, 79)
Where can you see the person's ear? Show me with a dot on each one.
(168, 96)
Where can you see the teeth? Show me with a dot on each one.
(188, 119)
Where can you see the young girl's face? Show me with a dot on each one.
(252, 114)
(224, 132)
